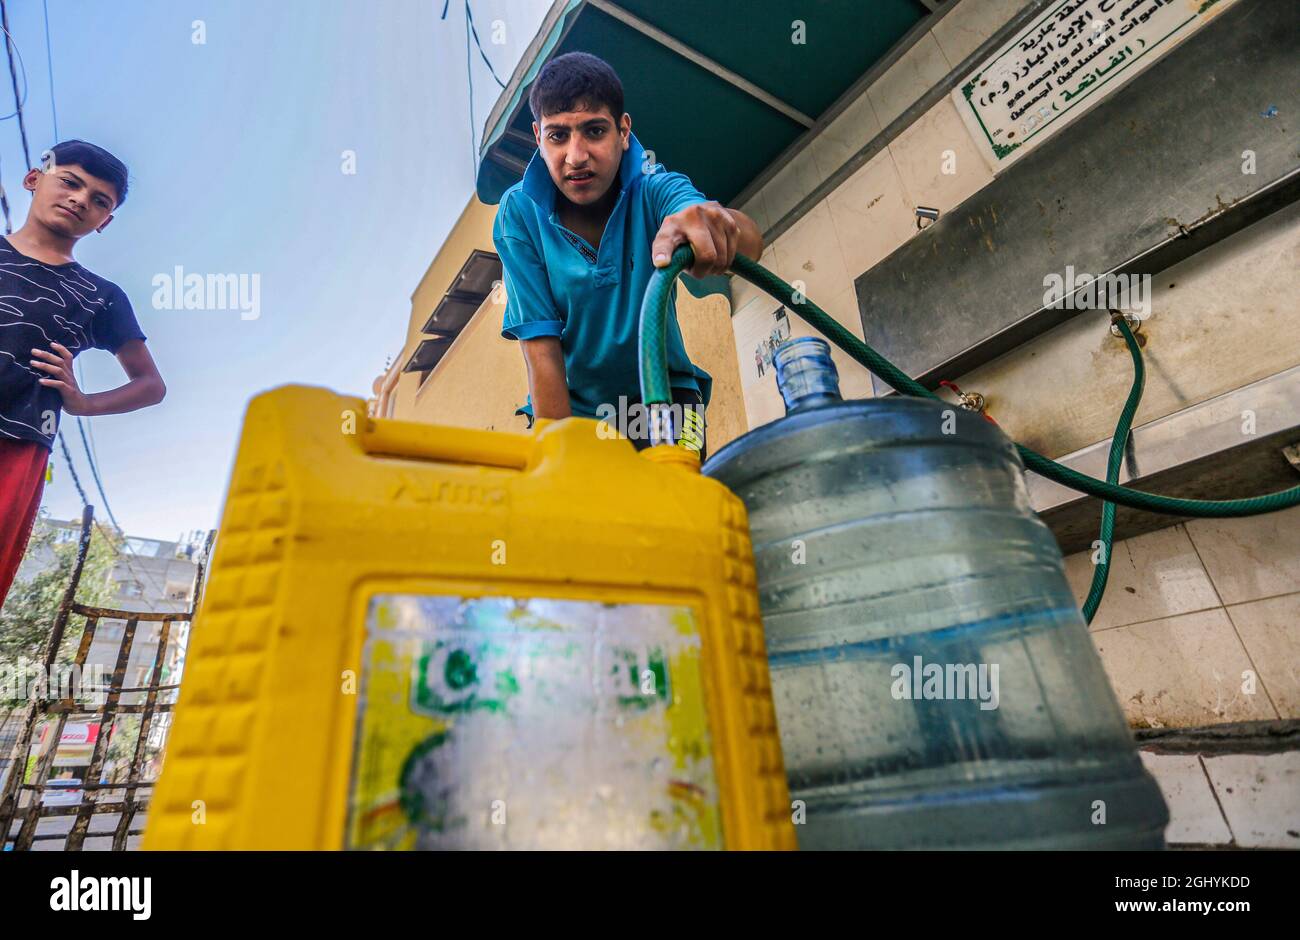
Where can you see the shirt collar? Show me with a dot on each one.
(542, 189)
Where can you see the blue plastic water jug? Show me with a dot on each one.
(935, 684)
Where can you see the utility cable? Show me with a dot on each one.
(471, 31)
(94, 472)
(19, 100)
(469, 17)
(49, 60)
(72, 471)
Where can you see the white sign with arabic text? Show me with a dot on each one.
(1064, 59)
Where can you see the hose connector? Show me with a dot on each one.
(662, 428)
(1134, 324)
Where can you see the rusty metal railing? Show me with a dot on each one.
(22, 799)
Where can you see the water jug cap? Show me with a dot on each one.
(806, 374)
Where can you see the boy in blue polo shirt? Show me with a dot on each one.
(578, 237)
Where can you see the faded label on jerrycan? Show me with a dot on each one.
(503, 722)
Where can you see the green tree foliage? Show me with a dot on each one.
(28, 615)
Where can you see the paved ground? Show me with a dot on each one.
(98, 839)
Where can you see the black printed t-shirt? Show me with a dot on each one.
(42, 304)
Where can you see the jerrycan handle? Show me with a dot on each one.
(387, 437)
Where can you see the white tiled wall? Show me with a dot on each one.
(1182, 671)
(845, 136)
(1152, 577)
(810, 252)
(1244, 800)
(962, 31)
(1270, 630)
(1201, 622)
(937, 160)
(869, 215)
(795, 180)
(1194, 814)
(860, 223)
(917, 70)
(1260, 796)
(1250, 558)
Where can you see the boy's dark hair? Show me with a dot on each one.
(94, 160)
(572, 79)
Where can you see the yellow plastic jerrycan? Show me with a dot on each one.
(417, 636)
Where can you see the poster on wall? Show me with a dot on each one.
(778, 332)
(1067, 59)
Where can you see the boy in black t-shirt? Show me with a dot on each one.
(51, 309)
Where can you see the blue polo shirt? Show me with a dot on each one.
(558, 285)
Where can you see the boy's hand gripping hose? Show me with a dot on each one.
(654, 390)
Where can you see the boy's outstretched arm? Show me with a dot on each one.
(717, 234)
(547, 382)
(144, 386)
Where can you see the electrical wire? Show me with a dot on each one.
(49, 60)
(19, 101)
(11, 48)
(89, 425)
(94, 472)
(76, 481)
(90, 432)
(4, 206)
(469, 17)
(469, 76)
(125, 553)
(472, 31)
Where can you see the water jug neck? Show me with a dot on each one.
(805, 374)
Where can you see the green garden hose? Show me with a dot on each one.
(1101, 571)
(653, 356)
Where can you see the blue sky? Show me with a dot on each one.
(235, 150)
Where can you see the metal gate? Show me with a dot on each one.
(22, 800)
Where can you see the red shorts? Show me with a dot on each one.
(22, 479)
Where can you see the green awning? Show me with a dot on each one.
(717, 90)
